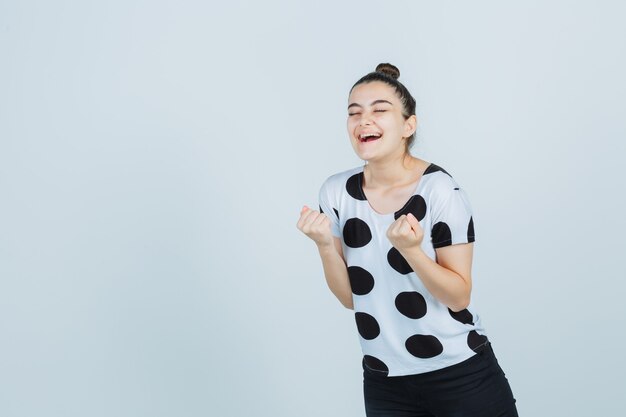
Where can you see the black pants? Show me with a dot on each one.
(476, 387)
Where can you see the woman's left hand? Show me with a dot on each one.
(405, 232)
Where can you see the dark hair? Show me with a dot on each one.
(389, 74)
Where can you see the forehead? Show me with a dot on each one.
(366, 93)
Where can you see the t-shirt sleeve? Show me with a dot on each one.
(328, 205)
(452, 220)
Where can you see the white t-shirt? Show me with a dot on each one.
(403, 329)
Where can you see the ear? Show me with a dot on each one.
(410, 125)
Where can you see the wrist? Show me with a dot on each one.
(413, 251)
(325, 246)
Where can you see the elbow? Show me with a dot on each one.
(348, 304)
(463, 300)
(460, 305)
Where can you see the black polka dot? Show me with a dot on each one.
(464, 316)
(397, 261)
(412, 304)
(356, 233)
(361, 280)
(475, 340)
(434, 168)
(353, 187)
(441, 235)
(415, 205)
(423, 346)
(321, 211)
(470, 230)
(367, 325)
(375, 364)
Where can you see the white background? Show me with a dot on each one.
(154, 157)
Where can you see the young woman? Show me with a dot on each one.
(396, 241)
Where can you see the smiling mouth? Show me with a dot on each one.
(370, 137)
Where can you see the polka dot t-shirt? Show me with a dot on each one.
(403, 329)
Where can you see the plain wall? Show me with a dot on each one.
(154, 157)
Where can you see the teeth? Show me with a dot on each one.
(365, 135)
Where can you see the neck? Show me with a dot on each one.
(391, 172)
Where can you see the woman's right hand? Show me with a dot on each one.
(315, 225)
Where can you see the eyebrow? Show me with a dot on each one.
(371, 104)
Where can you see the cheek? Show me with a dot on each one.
(391, 125)
(351, 125)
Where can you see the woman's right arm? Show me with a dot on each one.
(336, 272)
(316, 225)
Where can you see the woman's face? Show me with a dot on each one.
(375, 109)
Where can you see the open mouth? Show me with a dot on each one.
(369, 137)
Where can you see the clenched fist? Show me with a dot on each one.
(315, 225)
(405, 232)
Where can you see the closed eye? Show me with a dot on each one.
(375, 111)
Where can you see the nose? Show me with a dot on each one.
(366, 119)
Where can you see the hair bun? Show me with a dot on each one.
(388, 69)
